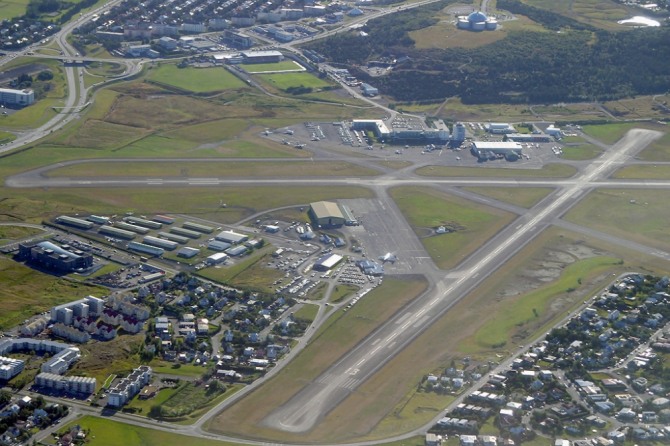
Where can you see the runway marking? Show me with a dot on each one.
(434, 301)
(392, 344)
(376, 341)
(420, 321)
(352, 371)
(403, 318)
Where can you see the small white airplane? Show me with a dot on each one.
(388, 257)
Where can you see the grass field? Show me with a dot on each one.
(286, 65)
(101, 359)
(307, 313)
(248, 272)
(214, 169)
(6, 137)
(12, 233)
(659, 150)
(284, 81)
(34, 205)
(12, 8)
(548, 171)
(197, 80)
(427, 208)
(106, 432)
(610, 133)
(342, 291)
(340, 333)
(170, 368)
(26, 292)
(521, 196)
(644, 171)
(581, 152)
(600, 13)
(639, 215)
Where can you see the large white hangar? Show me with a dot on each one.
(326, 214)
(489, 150)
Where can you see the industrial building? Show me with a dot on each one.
(98, 219)
(163, 219)
(327, 262)
(20, 98)
(143, 222)
(370, 268)
(188, 253)
(326, 214)
(173, 237)
(130, 227)
(10, 367)
(51, 256)
(198, 227)
(231, 237)
(349, 218)
(68, 384)
(237, 39)
(185, 232)
(369, 90)
(159, 242)
(89, 306)
(116, 232)
(402, 132)
(146, 249)
(216, 245)
(489, 150)
(237, 251)
(75, 222)
(262, 56)
(216, 258)
(477, 21)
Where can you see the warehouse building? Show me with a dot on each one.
(369, 90)
(116, 232)
(237, 251)
(132, 228)
(326, 214)
(327, 262)
(142, 222)
(173, 237)
(159, 242)
(163, 219)
(198, 227)
(262, 56)
(185, 232)
(20, 98)
(499, 128)
(188, 253)
(51, 256)
(490, 150)
(98, 219)
(231, 237)
(146, 249)
(216, 245)
(216, 259)
(76, 222)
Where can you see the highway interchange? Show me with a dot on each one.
(308, 407)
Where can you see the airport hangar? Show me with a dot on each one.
(327, 214)
(486, 150)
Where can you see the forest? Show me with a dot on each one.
(572, 63)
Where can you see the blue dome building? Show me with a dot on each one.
(477, 21)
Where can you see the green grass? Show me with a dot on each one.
(247, 272)
(187, 399)
(644, 171)
(307, 313)
(284, 81)
(659, 150)
(279, 66)
(427, 208)
(144, 406)
(534, 305)
(521, 196)
(609, 133)
(12, 233)
(640, 215)
(548, 171)
(106, 432)
(26, 292)
(341, 291)
(12, 8)
(581, 152)
(6, 137)
(197, 80)
(177, 369)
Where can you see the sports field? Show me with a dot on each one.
(286, 65)
(12, 8)
(197, 80)
(472, 224)
(284, 81)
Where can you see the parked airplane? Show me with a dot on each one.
(388, 257)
